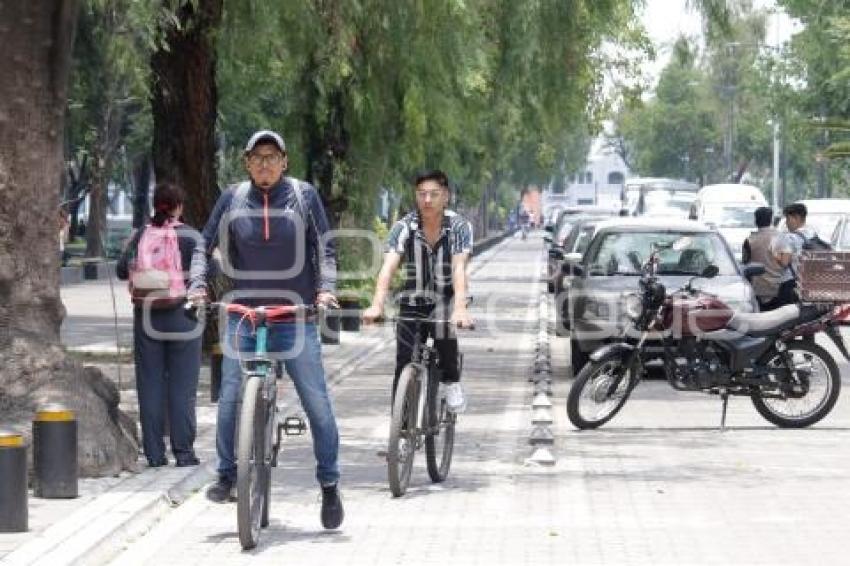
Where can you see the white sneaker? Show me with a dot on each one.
(455, 399)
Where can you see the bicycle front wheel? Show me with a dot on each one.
(252, 473)
(403, 435)
(440, 435)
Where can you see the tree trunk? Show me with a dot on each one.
(75, 195)
(96, 221)
(184, 99)
(37, 37)
(105, 146)
(141, 189)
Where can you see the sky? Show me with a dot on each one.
(666, 20)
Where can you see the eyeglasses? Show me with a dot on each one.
(434, 194)
(272, 160)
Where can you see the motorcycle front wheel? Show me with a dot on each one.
(816, 373)
(599, 391)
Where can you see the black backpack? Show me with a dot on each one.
(814, 244)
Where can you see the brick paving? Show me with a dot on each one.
(660, 484)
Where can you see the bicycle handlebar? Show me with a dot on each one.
(272, 313)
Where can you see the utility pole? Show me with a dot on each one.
(776, 160)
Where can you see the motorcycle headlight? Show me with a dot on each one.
(632, 306)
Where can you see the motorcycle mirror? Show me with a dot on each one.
(710, 271)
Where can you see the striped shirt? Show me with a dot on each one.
(429, 269)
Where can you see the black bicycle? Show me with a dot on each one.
(259, 430)
(417, 417)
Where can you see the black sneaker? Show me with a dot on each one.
(332, 511)
(186, 460)
(221, 491)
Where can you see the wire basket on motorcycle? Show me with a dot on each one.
(824, 277)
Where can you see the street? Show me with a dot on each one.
(661, 484)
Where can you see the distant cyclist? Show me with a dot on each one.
(524, 222)
(434, 244)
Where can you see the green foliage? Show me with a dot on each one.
(500, 94)
(494, 92)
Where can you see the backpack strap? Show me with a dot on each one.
(312, 229)
(240, 195)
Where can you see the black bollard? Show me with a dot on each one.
(14, 513)
(54, 456)
(216, 359)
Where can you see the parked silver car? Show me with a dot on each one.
(610, 269)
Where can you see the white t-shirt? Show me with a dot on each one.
(791, 243)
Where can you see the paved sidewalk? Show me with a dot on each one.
(660, 484)
(112, 511)
(468, 519)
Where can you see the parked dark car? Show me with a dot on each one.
(559, 242)
(610, 269)
(575, 245)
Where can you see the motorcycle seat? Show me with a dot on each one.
(765, 323)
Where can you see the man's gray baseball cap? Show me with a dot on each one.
(265, 136)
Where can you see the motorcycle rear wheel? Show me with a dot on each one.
(823, 389)
(588, 404)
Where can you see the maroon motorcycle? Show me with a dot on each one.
(703, 345)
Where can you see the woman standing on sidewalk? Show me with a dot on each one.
(166, 343)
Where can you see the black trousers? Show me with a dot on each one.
(787, 295)
(445, 342)
(166, 380)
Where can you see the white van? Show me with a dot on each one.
(730, 208)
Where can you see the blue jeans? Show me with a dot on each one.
(298, 345)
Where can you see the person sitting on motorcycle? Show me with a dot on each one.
(786, 248)
(757, 248)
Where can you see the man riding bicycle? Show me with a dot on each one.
(435, 245)
(273, 249)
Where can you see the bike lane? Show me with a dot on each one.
(479, 514)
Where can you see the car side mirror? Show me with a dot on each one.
(710, 271)
(549, 228)
(753, 270)
(556, 253)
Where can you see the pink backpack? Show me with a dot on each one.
(156, 274)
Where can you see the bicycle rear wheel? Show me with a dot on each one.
(403, 435)
(252, 472)
(440, 435)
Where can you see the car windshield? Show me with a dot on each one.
(583, 239)
(730, 215)
(660, 203)
(823, 223)
(563, 232)
(623, 253)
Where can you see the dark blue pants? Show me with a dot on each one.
(167, 367)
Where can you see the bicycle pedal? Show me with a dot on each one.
(293, 426)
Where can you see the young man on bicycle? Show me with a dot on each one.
(435, 244)
(273, 250)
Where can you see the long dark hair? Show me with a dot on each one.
(166, 197)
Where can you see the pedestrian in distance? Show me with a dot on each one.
(166, 344)
(274, 249)
(758, 248)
